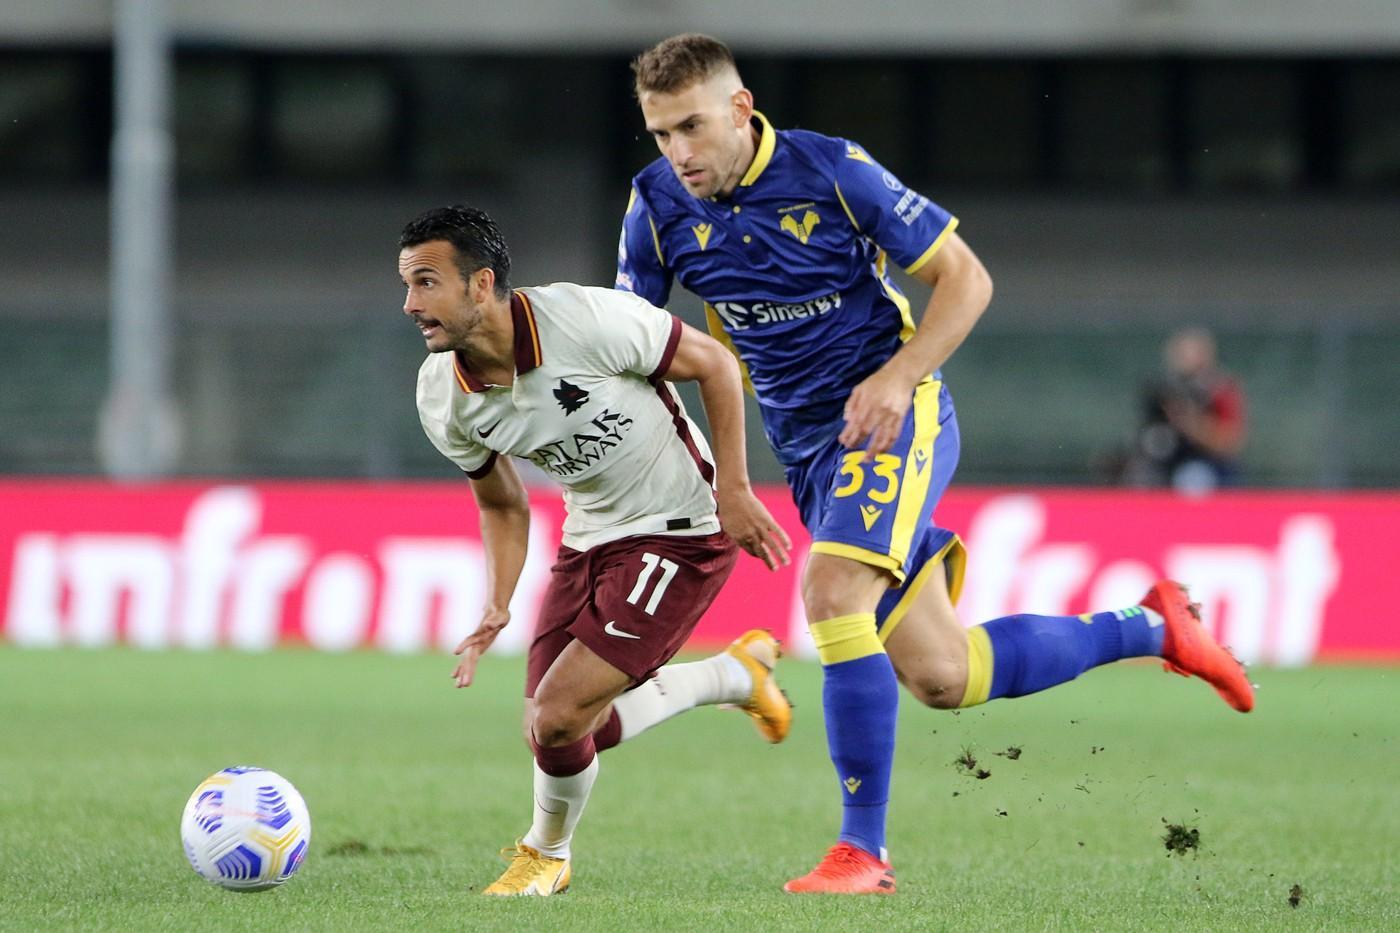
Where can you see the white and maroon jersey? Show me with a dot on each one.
(588, 406)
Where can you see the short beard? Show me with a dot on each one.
(460, 338)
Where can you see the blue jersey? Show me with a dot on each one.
(792, 266)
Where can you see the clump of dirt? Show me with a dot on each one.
(1001, 812)
(1180, 839)
(1012, 752)
(1295, 895)
(966, 763)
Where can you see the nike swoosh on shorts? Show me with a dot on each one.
(612, 629)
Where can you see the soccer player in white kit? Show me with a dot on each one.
(575, 379)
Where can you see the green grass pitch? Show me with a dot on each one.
(414, 786)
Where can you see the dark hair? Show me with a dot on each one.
(472, 233)
(676, 63)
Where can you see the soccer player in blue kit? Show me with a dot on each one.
(788, 237)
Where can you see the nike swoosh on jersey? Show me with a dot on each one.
(486, 432)
(612, 629)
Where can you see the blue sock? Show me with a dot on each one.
(1022, 654)
(860, 696)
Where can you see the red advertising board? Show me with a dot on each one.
(1284, 578)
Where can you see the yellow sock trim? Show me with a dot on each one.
(979, 667)
(846, 638)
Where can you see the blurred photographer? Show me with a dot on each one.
(1193, 421)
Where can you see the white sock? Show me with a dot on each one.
(559, 802)
(679, 687)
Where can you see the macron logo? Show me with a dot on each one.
(612, 629)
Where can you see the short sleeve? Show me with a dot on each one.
(435, 414)
(474, 459)
(635, 336)
(898, 219)
(640, 268)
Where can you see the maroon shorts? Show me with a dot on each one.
(633, 601)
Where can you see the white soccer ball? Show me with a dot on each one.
(246, 829)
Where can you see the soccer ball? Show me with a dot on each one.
(246, 829)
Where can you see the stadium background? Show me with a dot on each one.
(1122, 168)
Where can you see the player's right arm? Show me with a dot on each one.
(641, 269)
(504, 509)
(743, 517)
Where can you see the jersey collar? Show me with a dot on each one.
(465, 380)
(527, 335)
(527, 346)
(767, 141)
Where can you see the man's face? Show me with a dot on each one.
(438, 300)
(1190, 352)
(700, 130)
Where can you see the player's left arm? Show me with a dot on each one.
(962, 289)
(704, 360)
(921, 236)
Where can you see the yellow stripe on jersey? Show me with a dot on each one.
(655, 240)
(861, 555)
(937, 245)
(918, 468)
(951, 560)
(847, 208)
(906, 314)
(717, 331)
(767, 141)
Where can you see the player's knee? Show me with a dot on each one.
(939, 686)
(938, 695)
(554, 725)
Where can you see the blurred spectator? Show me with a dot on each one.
(1193, 425)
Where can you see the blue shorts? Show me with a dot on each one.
(879, 513)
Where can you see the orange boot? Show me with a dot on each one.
(1189, 650)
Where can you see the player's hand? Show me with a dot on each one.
(875, 412)
(748, 522)
(474, 645)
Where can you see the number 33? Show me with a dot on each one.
(886, 467)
